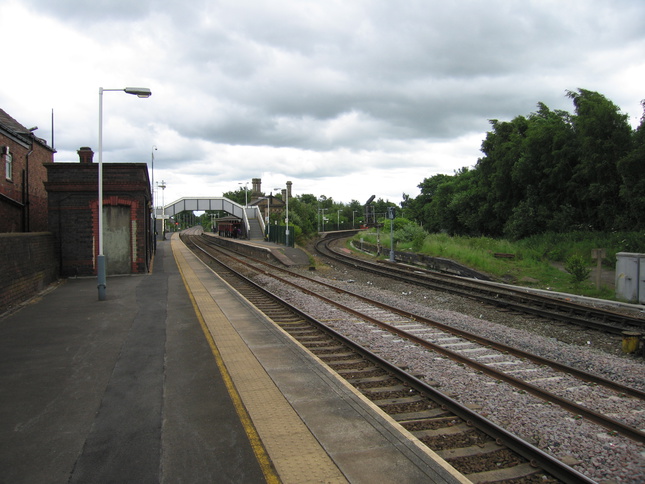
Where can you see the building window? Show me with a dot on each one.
(8, 165)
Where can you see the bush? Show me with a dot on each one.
(577, 267)
(410, 233)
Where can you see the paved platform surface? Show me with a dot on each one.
(122, 390)
(289, 256)
(174, 378)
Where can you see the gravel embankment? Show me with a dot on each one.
(590, 449)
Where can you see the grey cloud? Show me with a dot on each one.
(95, 11)
(338, 79)
(407, 67)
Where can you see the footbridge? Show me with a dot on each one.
(202, 204)
(250, 215)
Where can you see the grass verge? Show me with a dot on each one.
(536, 262)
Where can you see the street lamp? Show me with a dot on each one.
(353, 215)
(286, 234)
(323, 217)
(152, 196)
(338, 220)
(142, 92)
(246, 191)
(269, 216)
(286, 220)
(152, 181)
(163, 209)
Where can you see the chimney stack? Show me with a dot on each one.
(256, 192)
(85, 155)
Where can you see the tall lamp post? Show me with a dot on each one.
(142, 92)
(152, 181)
(277, 191)
(246, 192)
(152, 195)
(286, 219)
(323, 217)
(163, 210)
(286, 234)
(269, 216)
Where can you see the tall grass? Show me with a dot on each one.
(537, 261)
(560, 246)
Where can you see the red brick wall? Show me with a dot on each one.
(73, 215)
(10, 216)
(37, 208)
(23, 199)
(28, 263)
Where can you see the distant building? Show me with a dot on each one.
(23, 199)
(258, 199)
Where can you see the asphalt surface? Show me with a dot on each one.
(122, 390)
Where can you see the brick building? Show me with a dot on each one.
(73, 215)
(23, 199)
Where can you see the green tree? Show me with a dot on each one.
(604, 137)
(549, 171)
(502, 148)
(465, 214)
(632, 172)
(543, 172)
(423, 209)
(238, 196)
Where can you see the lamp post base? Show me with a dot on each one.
(101, 277)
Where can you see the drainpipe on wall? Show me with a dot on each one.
(25, 181)
(25, 184)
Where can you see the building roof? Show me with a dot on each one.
(262, 202)
(17, 129)
(11, 124)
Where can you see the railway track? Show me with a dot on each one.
(492, 358)
(477, 444)
(490, 293)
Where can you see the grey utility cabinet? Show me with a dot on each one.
(630, 277)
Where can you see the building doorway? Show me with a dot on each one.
(117, 239)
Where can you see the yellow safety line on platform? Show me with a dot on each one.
(256, 444)
(294, 452)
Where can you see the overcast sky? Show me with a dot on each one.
(345, 98)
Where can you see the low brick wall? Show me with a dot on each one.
(245, 249)
(433, 263)
(28, 264)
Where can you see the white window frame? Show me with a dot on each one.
(8, 165)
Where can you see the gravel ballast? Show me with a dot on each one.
(590, 449)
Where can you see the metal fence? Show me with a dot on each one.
(278, 235)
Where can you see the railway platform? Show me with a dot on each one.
(176, 378)
(288, 256)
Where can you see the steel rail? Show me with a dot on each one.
(534, 304)
(600, 419)
(583, 375)
(535, 456)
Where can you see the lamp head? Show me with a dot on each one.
(139, 91)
